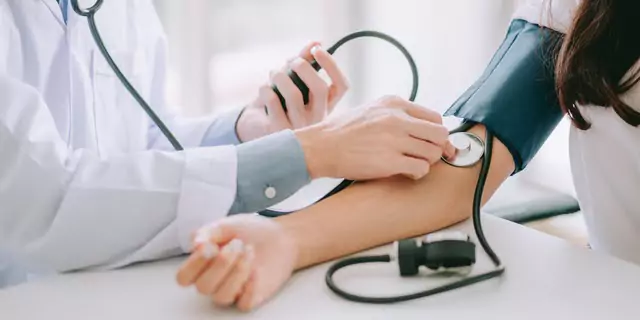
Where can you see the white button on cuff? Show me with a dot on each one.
(270, 192)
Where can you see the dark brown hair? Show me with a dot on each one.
(598, 51)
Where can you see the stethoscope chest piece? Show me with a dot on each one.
(469, 149)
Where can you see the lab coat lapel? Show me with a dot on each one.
(54, 7)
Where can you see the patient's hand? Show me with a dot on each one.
(241, 260)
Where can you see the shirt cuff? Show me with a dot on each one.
(222, 130)
(208, 189)
(270, 170)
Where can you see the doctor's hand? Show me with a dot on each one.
(266, 115)
(242, 260)
(388, 137)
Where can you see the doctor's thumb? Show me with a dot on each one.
(414, 168)
(448, 150)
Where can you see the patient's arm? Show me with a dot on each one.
(373, 213)
(258, 254)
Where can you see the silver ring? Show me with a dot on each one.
(469, 149)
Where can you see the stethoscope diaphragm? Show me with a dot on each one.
(469, 149)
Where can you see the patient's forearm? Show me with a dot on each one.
(373, 213)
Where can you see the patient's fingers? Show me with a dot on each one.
(196, 264)
(231, 287)
(209, 281)
(248, 299)
(207, 244)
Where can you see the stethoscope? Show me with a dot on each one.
(90, 13)
(439, 252)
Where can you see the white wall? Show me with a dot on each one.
(186, 26)
(452, 41)
(551, 167)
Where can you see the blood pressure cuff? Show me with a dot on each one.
(515, 98)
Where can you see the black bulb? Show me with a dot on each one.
(299, 83)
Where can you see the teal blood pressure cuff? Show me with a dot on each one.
(515, 98)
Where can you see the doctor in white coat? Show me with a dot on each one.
(86, 180)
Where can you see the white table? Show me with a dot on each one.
(546, 278)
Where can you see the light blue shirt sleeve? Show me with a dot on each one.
(270, 169)
(222, 130)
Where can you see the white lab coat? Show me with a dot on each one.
(85, 180)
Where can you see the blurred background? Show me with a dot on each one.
(221, 51)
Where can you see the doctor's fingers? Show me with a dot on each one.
(339, 82)
(420, 112)
(428, 131)
(431, 132)
(209, 281)
(412, 167)
(318, 88)
(305, 53)
(420, 149)
(277, 117)
(232, 286)
(292, 97)
(411, 108)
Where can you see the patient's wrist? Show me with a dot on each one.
(297, 232)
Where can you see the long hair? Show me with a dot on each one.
(596, 57)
